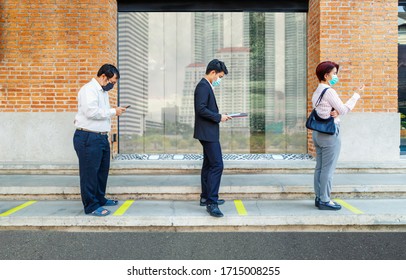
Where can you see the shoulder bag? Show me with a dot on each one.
(314, 122)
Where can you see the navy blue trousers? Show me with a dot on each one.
(93, 151)
(212, 170)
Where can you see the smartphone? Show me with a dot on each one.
(127, 106)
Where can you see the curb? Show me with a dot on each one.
(385, 222)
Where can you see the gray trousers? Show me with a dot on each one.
(328, 149)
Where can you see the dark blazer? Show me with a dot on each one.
(207, 117)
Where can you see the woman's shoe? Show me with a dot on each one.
(316, 201)
(329, 205)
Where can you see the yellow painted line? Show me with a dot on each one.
(123, 208)
(348, 206)
(240, 208)
(18, 208)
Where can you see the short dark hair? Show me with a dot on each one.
(108, 70)
(324, 68)
(217, 66)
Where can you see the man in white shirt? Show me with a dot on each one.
(93, 123)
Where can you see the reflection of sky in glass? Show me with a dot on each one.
(402, 61)
(401, 21)
(170, 51)
(178, 47)
(169, 54)
(401, 18)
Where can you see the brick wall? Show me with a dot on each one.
(361, 36)
(49, 49)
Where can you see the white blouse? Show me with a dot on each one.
(332, 100)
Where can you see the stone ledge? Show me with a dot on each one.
(315, 221)
(194, 167)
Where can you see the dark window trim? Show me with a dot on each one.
(213, 6)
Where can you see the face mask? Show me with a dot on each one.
(216, 82)
(108, 87)
(334, 80)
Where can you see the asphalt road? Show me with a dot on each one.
(54, 245)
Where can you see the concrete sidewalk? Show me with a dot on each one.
(246, 215)
(180, 187)
(255, 202)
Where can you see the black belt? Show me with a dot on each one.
(101, 133)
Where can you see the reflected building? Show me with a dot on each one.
(208, 38)
(208, 35)
(211, 32)
(169, 116)
(153, 125)
(402, 78)
(285, 72)
(402, 67)
(265, 54)
(193, 74)
(133, 67)
(233, 94)
(295, 72)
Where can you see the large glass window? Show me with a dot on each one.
(402, 76)
(162, 56)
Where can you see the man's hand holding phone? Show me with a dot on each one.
(120, 110)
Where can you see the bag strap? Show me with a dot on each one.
(321, 96)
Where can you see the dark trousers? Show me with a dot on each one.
(93, 151)
(212, 170)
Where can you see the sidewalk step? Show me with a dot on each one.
(151, 215)
(184, 167)
(186, 187)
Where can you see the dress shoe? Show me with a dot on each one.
(203, 202)
(329, 205)
(317, 202)
(214, 210)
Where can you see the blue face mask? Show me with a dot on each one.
(334, 80)
(108, 87)
(216, 82)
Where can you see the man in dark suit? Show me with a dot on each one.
(207, 119)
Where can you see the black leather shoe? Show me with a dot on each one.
(329, 206)
(219, 202)
(317, 202)
(214, 210)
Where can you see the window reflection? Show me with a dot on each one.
(402, 76)
(162, 56)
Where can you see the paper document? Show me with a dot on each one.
(238, 115)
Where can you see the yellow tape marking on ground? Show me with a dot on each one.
(348, 206)
(18, 208)
(123, 208)
(240, 208)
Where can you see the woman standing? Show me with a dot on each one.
(328, 146)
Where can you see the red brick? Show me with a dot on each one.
(369, 57)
